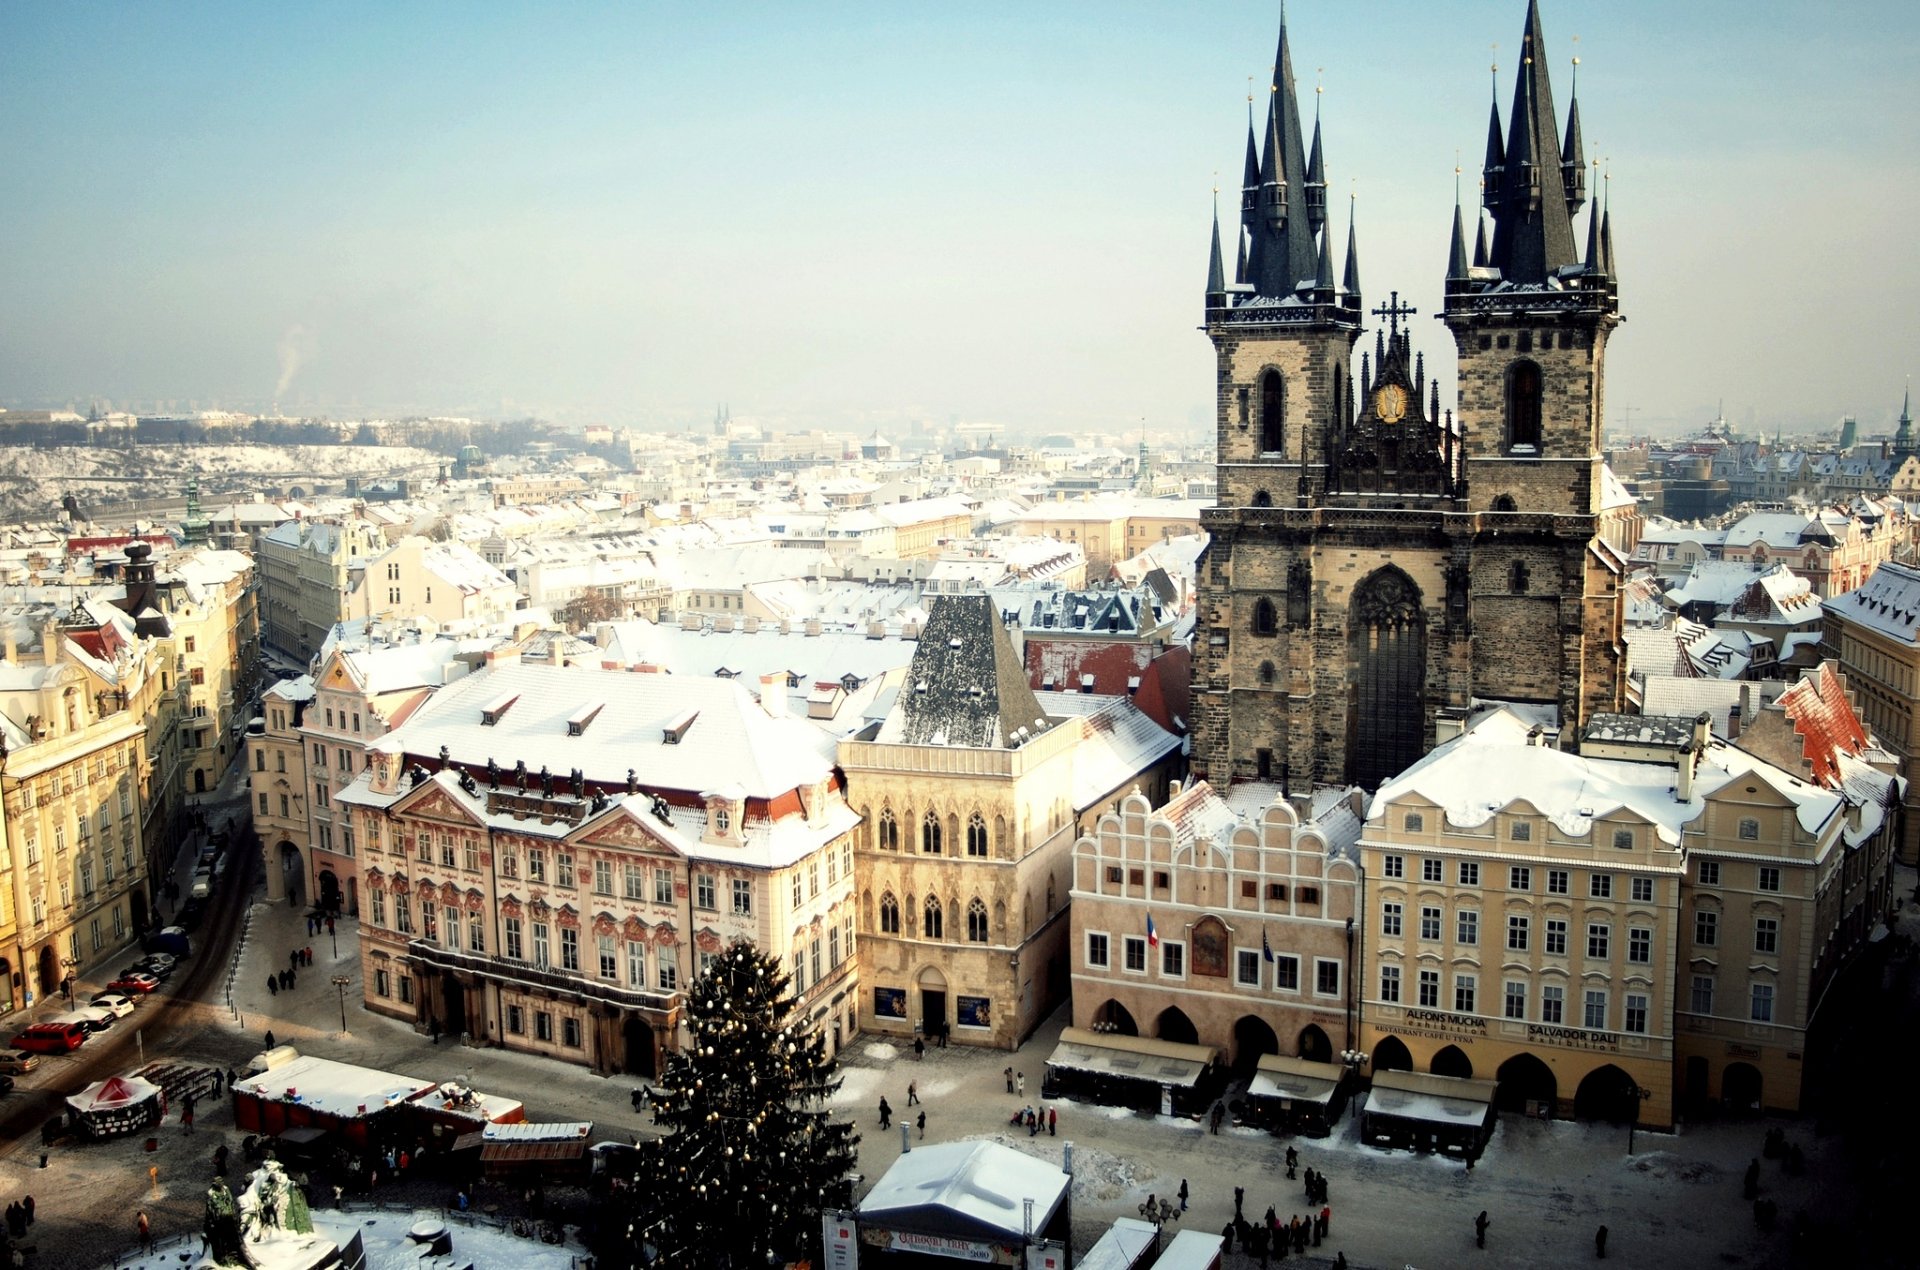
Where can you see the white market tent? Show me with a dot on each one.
(1131, 1057)
(963, 1192)
(1298, 1079)
(119, 1104)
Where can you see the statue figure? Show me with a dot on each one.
(546, 782)
(633, 784)
(578, 779)
(493, 774)
(520, 773)
(222, 1227)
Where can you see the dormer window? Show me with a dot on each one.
(722, 820)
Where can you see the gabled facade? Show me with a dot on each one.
(1253, 925)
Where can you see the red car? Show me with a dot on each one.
(136, 982)
(51, 1038)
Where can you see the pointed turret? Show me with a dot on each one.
(1606, 242)
(1573, 162)
(1532, 228)
(1323, 275)
(1479, 242)
(1496, 162)
(1216, 267)
(1457, 256)
(1316, 190)
(1284, 253)
(1352, 283)
(1240, 265)
(1593, 243)
(1250, 180)
(1903, 439)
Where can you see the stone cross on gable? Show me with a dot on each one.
(1393, 311)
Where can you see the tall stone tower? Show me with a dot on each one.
(1376, 564)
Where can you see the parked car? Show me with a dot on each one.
(90, 1017)
(171, 940)
(17, 1062)
(159, 965)
(190, 915)
(51, 1038)
(135, 981)
(119, 1003)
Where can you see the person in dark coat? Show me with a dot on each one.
(886, 1113)
(1226, 1237)
(923, 1123)
(1750, 1184)
(1239, 1197)
(1183, 1194)
(1293, 1158)
(273, 985)
(1480, 1229)
(1600, 1243)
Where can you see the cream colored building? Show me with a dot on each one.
(548, 856)
(1253, 912)
(442, 581)
(211, 609)
(306, 570)
(73, 882)
(1874, 634)
(971, 793)
(277, 776)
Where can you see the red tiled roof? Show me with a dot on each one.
(1825, 722)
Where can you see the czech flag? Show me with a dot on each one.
(1153, 936)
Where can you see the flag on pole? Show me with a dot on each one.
(1153, 936)
(1266, 949)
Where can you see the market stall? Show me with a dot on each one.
(1133, 1071)
(964, 1200)
(545, 1151)
(1419, 1111)
(1295, 1095)
(322, 1094)
(118, 1105)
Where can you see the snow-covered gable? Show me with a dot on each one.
(1888, 602)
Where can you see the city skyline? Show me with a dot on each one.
(848, 216)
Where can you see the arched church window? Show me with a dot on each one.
(1503, 503)
(1265, 620)
(1273, 413)
(889, 831)
(1262, 499)
(1517, 578)
(977, 921)
(934, 918)
(1266, 674)
(1523, 406)
(889, 914)
(930, 834)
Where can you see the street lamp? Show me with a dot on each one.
(1638, 1095)
(340, 983)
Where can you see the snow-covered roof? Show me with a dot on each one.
(1888, 602)
(980, 1187)
(333, 1089)
(730, 732)
(1120, 742)
(1490, 768)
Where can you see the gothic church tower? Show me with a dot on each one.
(1377, 565)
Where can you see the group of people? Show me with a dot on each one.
(316, 924)
(19, 1217)
(1035, 1120)
(1272, 1237)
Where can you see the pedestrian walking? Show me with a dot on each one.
(269, 1038)
(1340, 1261)
(919, 1049)
(309, 958)
(886, 1113)
(913, 1092)
(1226, 1237)
(26, 1209)
(1293, 1158)
(273, 985)
(923, 1124)
(145, 1228)
(293, 959)
(1600, 1243)
(1053, 1122)
(1033, 1122)
(1326, 1219)
(1480, 1224)
(1020, 1084)
(1183, 1194)
(231, 1077)
(1750, 1184)
(1239, 1197)
(186, 1115)
(636, 1100)
(1008, 1073)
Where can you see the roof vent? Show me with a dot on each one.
(954, 642)
(675, 731)
(492, 712)
(577, 724)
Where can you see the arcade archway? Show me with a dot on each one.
(1392, 1055)
(1606, 1093)
(1525, 1079)
(1116, 1018)
(1452, 1061)
(1314, 1045)
(1740, 1088)
(1174, 1025)
(1252, 1037)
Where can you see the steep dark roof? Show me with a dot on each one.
(1284, 252)
(1532, 226)
(966, 686)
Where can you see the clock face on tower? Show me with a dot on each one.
(1390, 403)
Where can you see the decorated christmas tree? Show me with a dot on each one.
(751, 1154)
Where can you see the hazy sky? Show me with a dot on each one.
(835, 214)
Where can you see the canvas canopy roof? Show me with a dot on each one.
(1132, 1057)
(112, 1094)
(965, 1190)
(1122, 1247)
(1301, 1079)
(1430, 1099)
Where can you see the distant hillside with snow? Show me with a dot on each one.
(32, 478)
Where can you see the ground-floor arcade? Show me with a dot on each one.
(1560, 1072)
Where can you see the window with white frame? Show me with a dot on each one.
(1097, 949)
(510, 930)
(1246, 968)
(1467, 926)
(1594, 1016)
(1517, 932)
(1173, 959)
(742, 897)
(1642, 890)
(662, 886)
(1640, 945)
(1636, 1013)
(1429, 922)
(1432, 870)
(1556, 940)
(1390, 984)
(1134, 949)
(1429, 989)
(1326, 977)
(1469, 873)
(1466, 989)
(1393, 866)
(1516, 999)
(1600, 886)
(1762, 1008)
(1768, 878)
(1390, 919)
(1766, 935)
(1553, 1004)
(1558, 881)
(1286, 972)
(1519, 878)
(1599, 941)
(636, 964)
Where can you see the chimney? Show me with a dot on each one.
(509, 656)
(1733, 724)
(1702, 732)
(773, 695)
(50, 644)
(1685, 760)
(13, 645)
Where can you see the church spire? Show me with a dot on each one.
(1351, 285)
(1457, 256)
(1284, 252)
(1250, 181)
(1323, 274)
(1593, 242)
(1216, 267)
(1903, 439)
(1532, 227)
(1573, 162)
(1494, 169)
(1316, 171)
